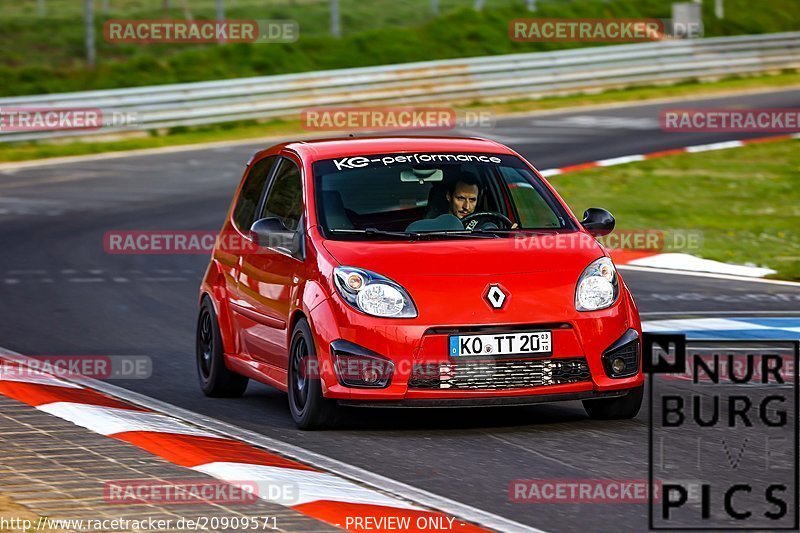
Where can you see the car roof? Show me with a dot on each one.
(318, 149)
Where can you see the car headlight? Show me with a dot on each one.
(598, 286)
(373, 294)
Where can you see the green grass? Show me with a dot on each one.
(46, 55)
(745, 201)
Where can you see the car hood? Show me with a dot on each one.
(552, 252)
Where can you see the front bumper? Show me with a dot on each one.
(493, 401)
(574, 370)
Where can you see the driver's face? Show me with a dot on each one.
(463, 200)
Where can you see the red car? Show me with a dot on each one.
(414, 271)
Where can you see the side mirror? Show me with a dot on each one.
(272, 233)
(598, 221)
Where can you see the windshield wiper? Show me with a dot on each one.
(456, 233)
(416, 235)
(375, 231)
(515, 230)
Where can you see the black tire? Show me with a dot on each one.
(310, 410)
(215, 378)
(619, 408)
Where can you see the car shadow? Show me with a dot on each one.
(375, 418)
(264, 406)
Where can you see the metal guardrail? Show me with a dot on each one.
(483, 78)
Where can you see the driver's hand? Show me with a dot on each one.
(514, 225)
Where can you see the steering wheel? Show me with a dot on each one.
(478, 220)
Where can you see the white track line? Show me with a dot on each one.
(26, 375)
(309, 486)
(715, 313)
(714, 146)
(708, 275)
(353, 473)
(700, 324)
(547, 173)
(620, 160)
(112, 420)
(692, 263)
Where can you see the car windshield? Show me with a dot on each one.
(432, 195)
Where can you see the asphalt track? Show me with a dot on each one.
(62, 294)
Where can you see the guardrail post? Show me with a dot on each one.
(336, 20)
(88, 18)
(187, 13)
(220, 4)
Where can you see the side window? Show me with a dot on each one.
(247, 204)
(533, 209)
(285, 198)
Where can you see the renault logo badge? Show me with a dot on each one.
(496, 296)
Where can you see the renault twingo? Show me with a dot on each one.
(414, 271)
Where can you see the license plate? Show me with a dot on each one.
(501, 344)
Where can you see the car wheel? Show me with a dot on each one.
(310, 410)
(615, 408)
(215, 378)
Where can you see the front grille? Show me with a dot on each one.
(501, 374)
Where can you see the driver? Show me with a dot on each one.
(462, 196)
